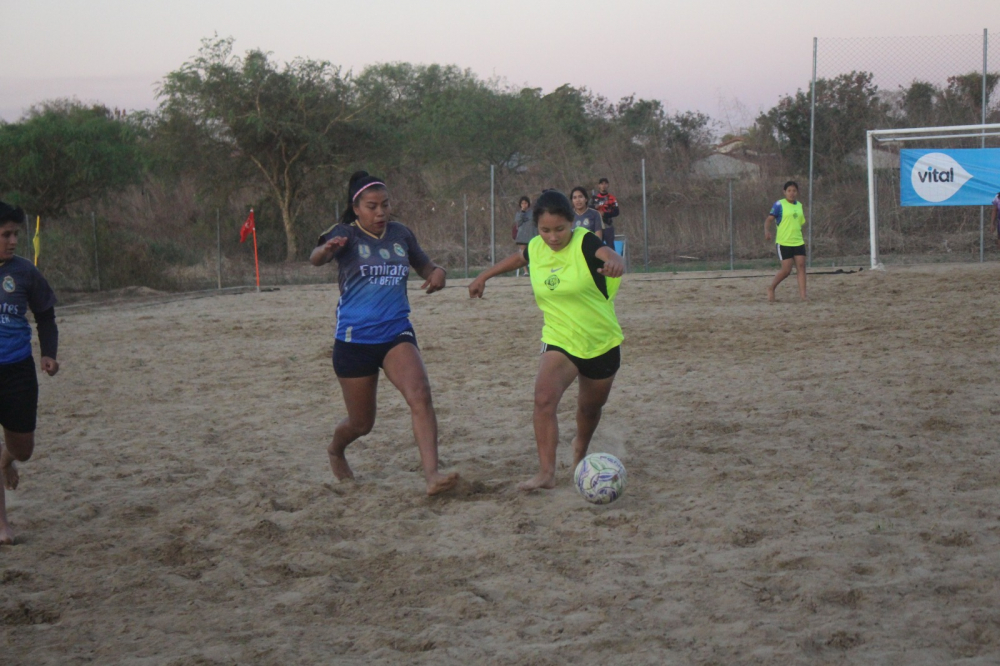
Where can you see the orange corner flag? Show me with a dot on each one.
(247, 228)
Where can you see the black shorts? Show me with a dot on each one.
(18, 396)
(599, 367)
(355, 359)
(789, 251)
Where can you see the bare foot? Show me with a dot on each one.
(770, 294)
(341, 470)
(539, 481)
(10, 476)
(441, 483)
(578, 454)
(6, 536)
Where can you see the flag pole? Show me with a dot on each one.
(256, 264)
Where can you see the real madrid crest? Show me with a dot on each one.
(398, 249)
(8, 284)
(364, 251)
(384, 253)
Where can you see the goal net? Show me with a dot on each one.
(956, 229)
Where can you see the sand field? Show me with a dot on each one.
(809, 483)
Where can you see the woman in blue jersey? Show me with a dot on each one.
(574, 277)
(373, 326)
(22, 288)
(583, 215)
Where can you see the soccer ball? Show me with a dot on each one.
(600, 478)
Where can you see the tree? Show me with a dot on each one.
(289, 124)
(63, 152)
(846, 107)
(962, 99)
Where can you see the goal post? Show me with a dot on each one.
(911, 134)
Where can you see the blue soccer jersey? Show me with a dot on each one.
(22, 288)
(373, 306)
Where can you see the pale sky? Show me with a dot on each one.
(727, 58)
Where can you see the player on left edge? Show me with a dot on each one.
(22, 288)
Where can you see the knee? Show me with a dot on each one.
(591, 410)
(357, 429)
(20, 450)
(546, 402)
(419, 398)
(23, 455)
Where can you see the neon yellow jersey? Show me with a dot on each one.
(789, 220)
(578, 317)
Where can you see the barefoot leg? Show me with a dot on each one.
(6, 533)
(359, 398)
(8, 470)
(593, 395)
(800, 275)
(405, 369)
(16, 446)
(555, 374)
(786, 270)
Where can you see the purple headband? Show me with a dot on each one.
(372, 184)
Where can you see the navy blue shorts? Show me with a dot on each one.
(18, 396)
(355, 359)
(599, 367)
(789, 251)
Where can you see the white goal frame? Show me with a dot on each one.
(912, 134)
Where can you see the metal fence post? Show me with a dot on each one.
(731, 236)
(97, 263)
(465, 231)
(645, 224)
(493, 234)
(982, 209)
(812, 134)
(218, 244)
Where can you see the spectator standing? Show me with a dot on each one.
(605, 203)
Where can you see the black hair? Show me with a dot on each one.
(789, 184)
(10, 213)
(360, 180)
(523, 200)
(552, 202)
(582, 191)
(604, 180)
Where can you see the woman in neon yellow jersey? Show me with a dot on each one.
(575, 278)
(787, 219)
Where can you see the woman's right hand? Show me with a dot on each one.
(334, 244)
(476, 288)
(324, 253)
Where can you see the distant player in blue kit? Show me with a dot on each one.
(787, 219)
(373, 325)
(22, 288)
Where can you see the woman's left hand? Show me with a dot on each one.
(50, 366)
(434, 281)
(613, 267)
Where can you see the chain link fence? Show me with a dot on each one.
(703, 215)
(931, 81)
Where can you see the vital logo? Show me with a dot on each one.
(937, 177)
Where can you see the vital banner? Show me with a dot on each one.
(959, 177)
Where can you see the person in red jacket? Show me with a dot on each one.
(605, 203)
